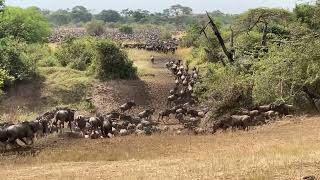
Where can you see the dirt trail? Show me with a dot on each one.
(150, 90)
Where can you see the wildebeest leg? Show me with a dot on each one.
(70, 126)
(24, 141)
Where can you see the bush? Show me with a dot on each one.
(126, 29)
(225, 88)
(95, 28)
(14, 60)
(112, 63)
(282, 74)
(102, 58)
(76, 53)
(28, 25)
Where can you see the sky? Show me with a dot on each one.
(199, 6)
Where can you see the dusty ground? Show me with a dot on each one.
(285, 150)
(289, 149)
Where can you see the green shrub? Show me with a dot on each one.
(105, 59)
(126, 29)
(95, 28)
(76, 53)
(14, 61)
(50, 61)
(28, 25)
(225, 88)
(112, 63)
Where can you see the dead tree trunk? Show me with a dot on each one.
(220, 39)
(264, 35)
(205, 34)
(233, 51)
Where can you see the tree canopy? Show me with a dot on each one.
(109, 16)
(27, 25)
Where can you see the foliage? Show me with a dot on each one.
(281, 74)
(80, 14)
(76, 53)
(27, 25)
(59, 17)
(225, 87)
(192, 35)
(95, 28)
(109, 16)
(177, 10)
(14, 61)
(102, 58)
(126, 29)
(112, 62)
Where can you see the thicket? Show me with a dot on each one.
(99, 57)
(274, 55)
(20, 31)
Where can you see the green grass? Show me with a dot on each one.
(66, 87)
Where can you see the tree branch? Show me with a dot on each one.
(220, 39)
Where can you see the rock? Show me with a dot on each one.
(165, 128)
(179, 132)
(124, 132)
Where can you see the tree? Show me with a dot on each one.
(60, 17)
(126, 29)
(1, 5)
(95, 28)
(27, 25)
(80, 14)
(109, 16)
(178, 10)
(263, 18)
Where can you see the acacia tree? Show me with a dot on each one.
(177, 10)
(109, 16)
(262, 18)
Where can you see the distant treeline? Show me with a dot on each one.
(177, 16)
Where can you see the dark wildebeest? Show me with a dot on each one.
(127, 106)
(95, 123)
(165, 113)
(81, 123)
(106, 127)
(25, 130)
(64, 116)
(146, 114)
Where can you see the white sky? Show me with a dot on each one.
(227, 6)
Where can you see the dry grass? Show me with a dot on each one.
(141, 59)
(285, 150)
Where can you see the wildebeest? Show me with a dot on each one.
(165, 113)
(82, 123)
(95, 124)
(146, 114)
(24, 130)
(127, 106)
(66, 115)
(106, 128)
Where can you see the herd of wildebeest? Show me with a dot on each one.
(182, 104)
(139, 39)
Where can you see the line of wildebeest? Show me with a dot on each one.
(181, 103)
(156, 45)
